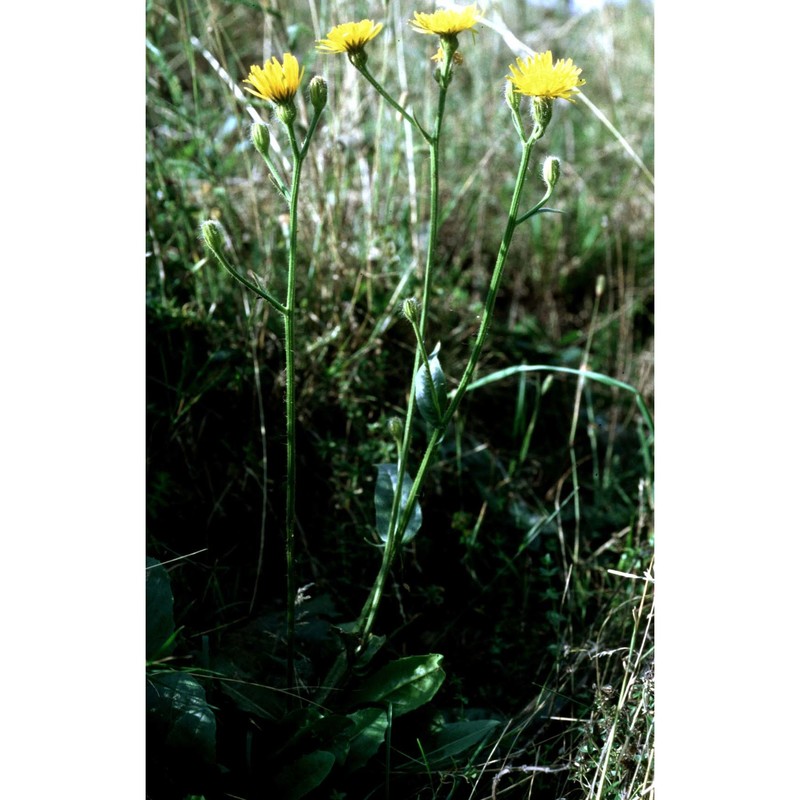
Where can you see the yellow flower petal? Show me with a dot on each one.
(537, 76)
(350, 37)
(275, 82)
(446, 23)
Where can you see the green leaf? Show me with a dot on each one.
(333, 732)
(430, 389)
(407, 683)
(304, 774)
(385, 487)
(370, 731)
(179, 717)
(254, 698)
(159, 616)
(456, 737)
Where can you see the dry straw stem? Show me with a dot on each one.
(633, 665)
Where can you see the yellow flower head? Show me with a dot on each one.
(539, 77)
(349, 37)
(275, 82)
(446, 23)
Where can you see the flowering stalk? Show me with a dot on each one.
(393, 545)
(291, 414)
(278, 83)
(351, 38)
(446, 25)
(549, 81)
(364, 70)
(543, 82)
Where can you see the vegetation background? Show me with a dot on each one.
(545, 485)
(73, 423)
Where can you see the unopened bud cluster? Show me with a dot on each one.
(411, 309)
(513, 99)
(600, 286)
(259, 133)
(318, 91)
(542, 113)
(211, 232)
(551, 170)
(287, 113)
(395, 426)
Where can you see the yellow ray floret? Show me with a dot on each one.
(349, 37)
(275, 82)
(539, 77)
(446, 23)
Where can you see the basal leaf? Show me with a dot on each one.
(159, 616)
(304, 774)
(179, 717)
(368, 736)
(457, 737)
(407, 683)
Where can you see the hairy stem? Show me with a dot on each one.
(291, 465)
(367, 618)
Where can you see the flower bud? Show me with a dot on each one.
(542, 112)
(259, 133)
(513, 98)
(358, 58)
(411, 309)
(395, 426)
(211, 232)
(318, 89)
(286, 112)
(449, 44)
(600, 286)
(551, 170)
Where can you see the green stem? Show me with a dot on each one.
(253, 287)
(291, 466)
(433, 233)
(392, 102)
(311, 128)
(433, 144)
(367, 617)
(280, 185)
(494, 286)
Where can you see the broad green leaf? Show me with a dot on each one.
(250, 695)
(430, 389)
(253, 698)
(370, 731)
(374, 644)
(333, 732)
(407, 683)
(309, 729)
(304, 774)
(159, 617)
(179, 716)
(456, 737)
(385, 487)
